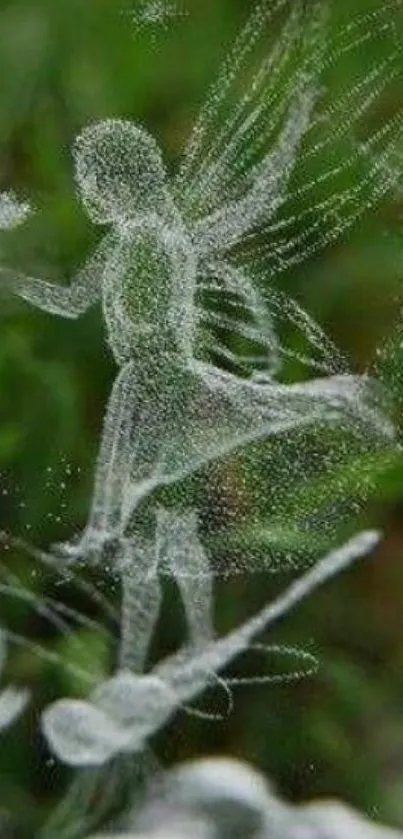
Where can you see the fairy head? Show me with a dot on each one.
(119, 171)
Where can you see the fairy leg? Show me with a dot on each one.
(114, 454)
(112, 469)
(182, 555)
(141, 600)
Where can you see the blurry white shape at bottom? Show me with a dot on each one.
(218, 798)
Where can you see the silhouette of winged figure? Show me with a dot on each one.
(180, 269)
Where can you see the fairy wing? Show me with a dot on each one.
(233, 186)
(231, 148)
(248, 185)
(235, 168)
(239, 329)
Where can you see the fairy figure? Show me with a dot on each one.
(173, 244)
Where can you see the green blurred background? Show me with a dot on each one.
(63, 64)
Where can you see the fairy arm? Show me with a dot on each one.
(68, 301)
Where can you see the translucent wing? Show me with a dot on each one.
(234, 184)
(349, 160)
(281, 171)
(230, 154)
(245, 332)
(228, 305)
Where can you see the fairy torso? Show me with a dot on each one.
(148, 292)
